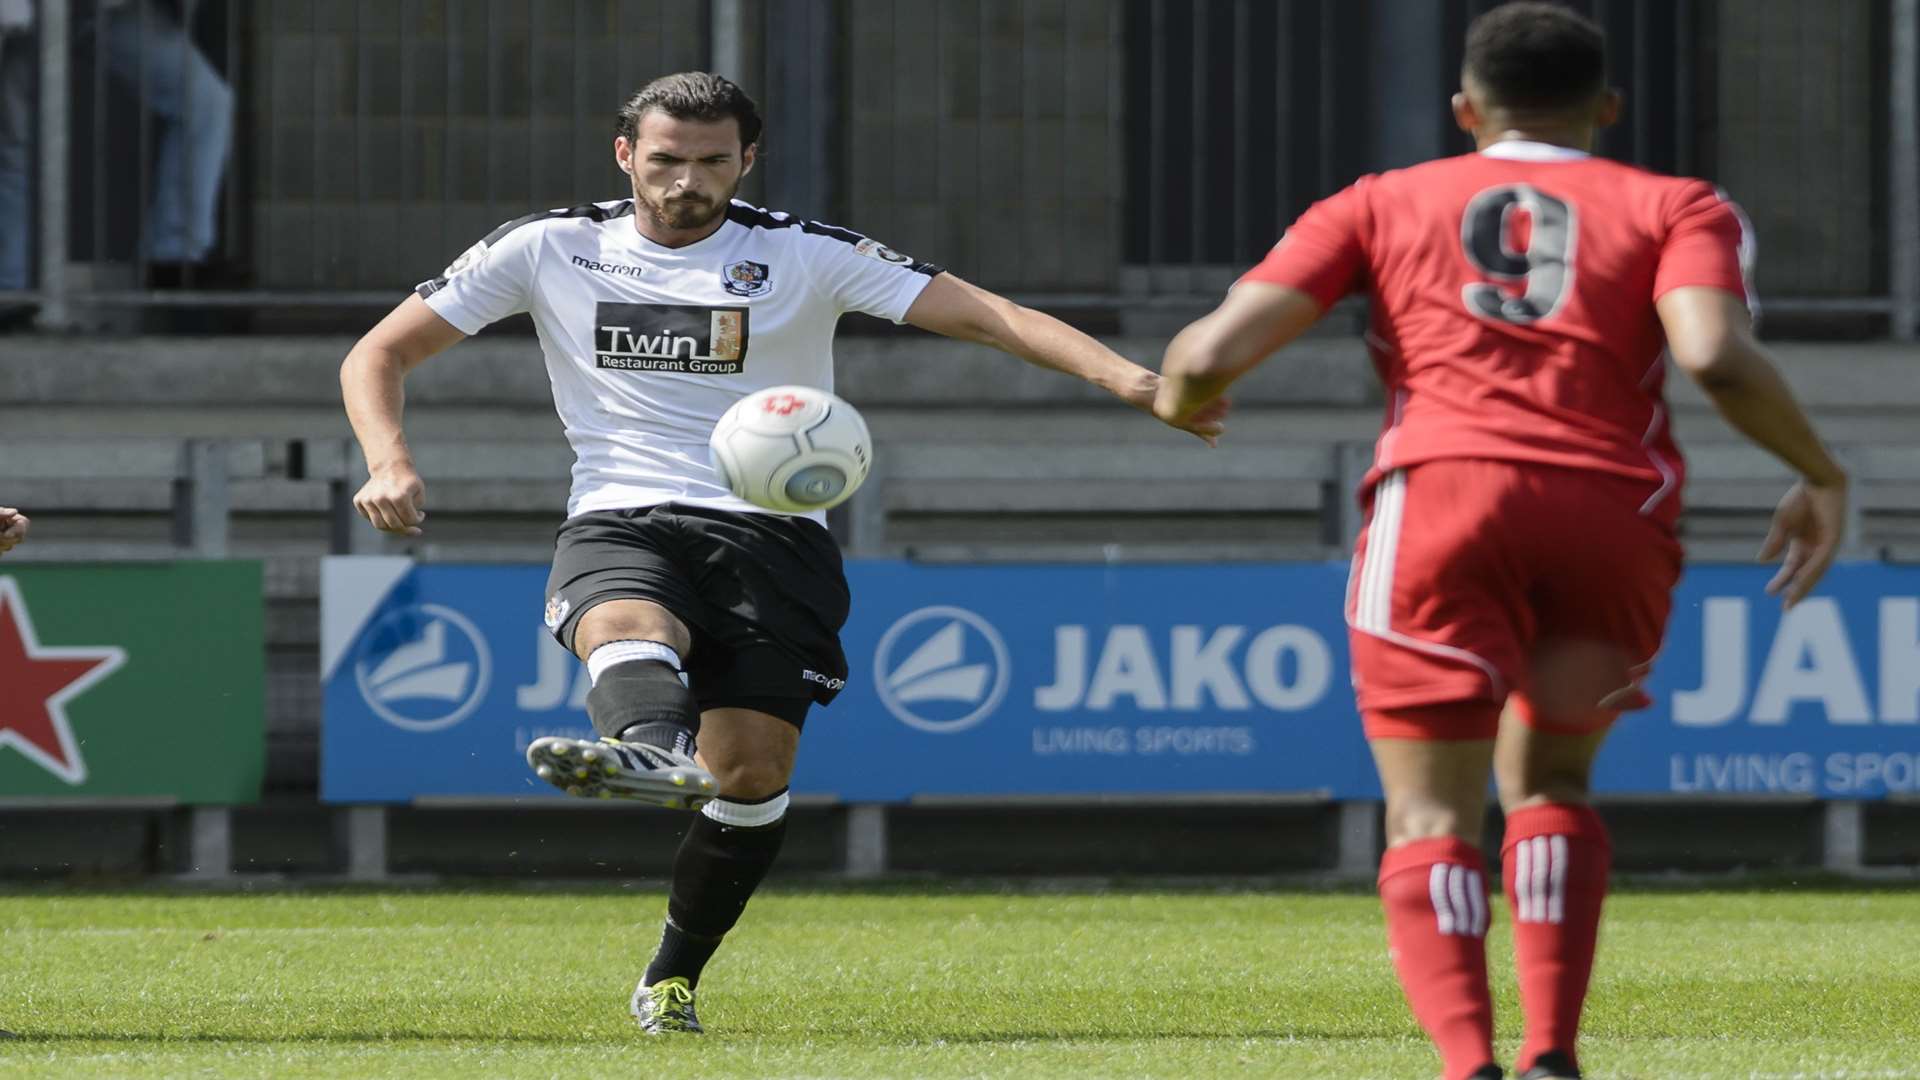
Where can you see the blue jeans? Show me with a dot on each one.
(195, 109)
(174, 82)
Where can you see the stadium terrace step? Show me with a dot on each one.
(1079, 496)
(911, 371)
(119, 459)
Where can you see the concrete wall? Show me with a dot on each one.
(924, 397)
(1246, 840)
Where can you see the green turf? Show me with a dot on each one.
(891, 983)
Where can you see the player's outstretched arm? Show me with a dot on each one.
(371, 383)
(13, 528)
(1203, 360)
(955, 308)
(1710, 334)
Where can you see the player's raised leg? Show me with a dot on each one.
(726, 854)
(641, 707)
(1433, 877)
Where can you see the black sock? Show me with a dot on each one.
(665, 735)
(716, 871)
(680, 954)
(644, 701)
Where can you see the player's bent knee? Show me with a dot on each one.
(751, 779)
(629, 620)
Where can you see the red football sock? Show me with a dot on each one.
(1555, 861)
(1435, 893)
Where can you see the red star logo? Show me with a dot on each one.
(37, 681)
(784, 404)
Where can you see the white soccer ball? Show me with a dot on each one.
(792, 449)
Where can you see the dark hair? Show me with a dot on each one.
(1536, 56)
(691, 95)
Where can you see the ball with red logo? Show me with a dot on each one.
(793, 449)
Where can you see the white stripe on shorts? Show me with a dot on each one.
(1373, 609)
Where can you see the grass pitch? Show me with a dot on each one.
(891, 983)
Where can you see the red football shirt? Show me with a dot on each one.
(1513, 294)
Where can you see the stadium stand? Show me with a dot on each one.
(1009, 465)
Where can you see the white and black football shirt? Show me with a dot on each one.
(648, 345)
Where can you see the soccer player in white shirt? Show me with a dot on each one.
(694, 611)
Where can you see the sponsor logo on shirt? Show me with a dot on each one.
(670, 337)
(874, 249)
(616, 269)
(746, 278)
(467, 258)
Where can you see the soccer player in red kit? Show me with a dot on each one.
(1520, 549)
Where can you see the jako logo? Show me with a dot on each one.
(423, 667)
(1812, 665)
(941, 669)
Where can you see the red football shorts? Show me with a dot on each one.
(1478, 579)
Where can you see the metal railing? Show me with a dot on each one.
(1239, 114)
(1113, 150)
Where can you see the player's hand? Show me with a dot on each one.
(13, 528)
(1808, 526)
(394, 500)
(1206, 423)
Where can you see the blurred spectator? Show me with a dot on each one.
(195, 108)
(148, 49)
(13, 528)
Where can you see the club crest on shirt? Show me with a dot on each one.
(746, 278)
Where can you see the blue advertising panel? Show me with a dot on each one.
(965, 681)
(976, 680)
(435, 678)
(1822, 700)
(1094, 679)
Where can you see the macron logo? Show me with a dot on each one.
(827, 681)
(615, 269)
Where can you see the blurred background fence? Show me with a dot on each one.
(1103, 153)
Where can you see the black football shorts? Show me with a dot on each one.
(764, 596)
